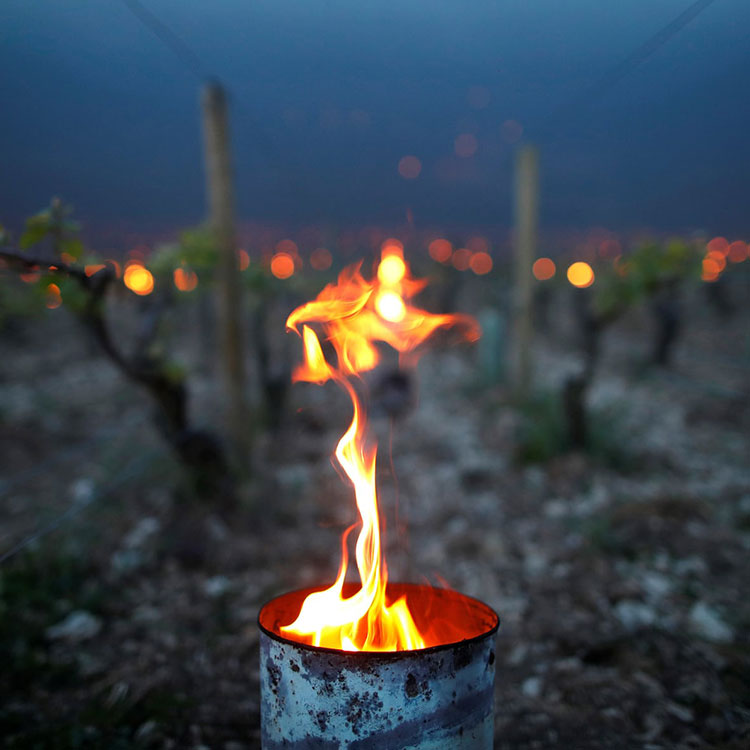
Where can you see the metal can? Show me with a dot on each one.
(442, 697)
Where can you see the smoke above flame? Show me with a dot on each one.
(354, 316)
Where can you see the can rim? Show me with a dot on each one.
(385, 655)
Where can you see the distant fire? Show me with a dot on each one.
(354, 314)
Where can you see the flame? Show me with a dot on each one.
(354, 314)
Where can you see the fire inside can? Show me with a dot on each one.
(427, 699)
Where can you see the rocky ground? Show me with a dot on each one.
(621, 578)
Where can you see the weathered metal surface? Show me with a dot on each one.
(321, 699)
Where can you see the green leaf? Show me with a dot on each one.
(72, 246)
(37, 228)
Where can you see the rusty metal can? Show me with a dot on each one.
(437, 698)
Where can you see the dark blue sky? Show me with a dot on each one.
(95, 109)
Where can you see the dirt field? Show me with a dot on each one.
(621, 579)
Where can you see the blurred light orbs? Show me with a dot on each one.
(391, 245)
(390, 307)
(138, 279)
(321, 259)
(738, 251)
(92, 268)
(465, 145)
(440, 250)
(391, 270)
(580, 274)
(116, 267)
(409, 167)
(543, 269)
(287, 246)
(282, 265)
(718, 258)
(243, 260)
(461, 258)
(53, 296)
(478, 244)
(710, 270)
(718, 245)
(185, 279)
(481, 263)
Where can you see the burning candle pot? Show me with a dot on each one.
(376, 664)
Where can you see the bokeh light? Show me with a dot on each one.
(92, 268)
(718, 258)
(185, 279)
(543, 269)
(390, 306)
(243, 260)
(738, 251)
(138, 279)
(116, 267)
(440, 250)
(321, 259)
(282, 265)
(465, 145)
(53, 296)
(287, 246)
(711, 270)
(718, 245)
(409, 167)
(391, 270)
(461, 258)
(392, 246)
(481, 263)
(580, 274)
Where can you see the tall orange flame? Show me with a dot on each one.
(354, 314)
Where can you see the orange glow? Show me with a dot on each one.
(243, 260)
(185, 279)
(138, 279)
(93, 268)
(461, 259)
(711, 269)
(67, 258)
(282, 265)
(355, 314)
(718, 245)
(116, 267)
(390, 306)
(738, 251)
(718, 258)
(30, 277)
(409, 167)
(543, 269)
(392, 246)
(580, 274)
(465, 145)
(287, 246)
(478, 244)
(321, 259)
(440, 250)
(481, 263)
(391, 270)
(54, 298)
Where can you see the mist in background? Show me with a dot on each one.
(328, 97)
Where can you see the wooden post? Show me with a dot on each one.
(526, 217)
(228, 302)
